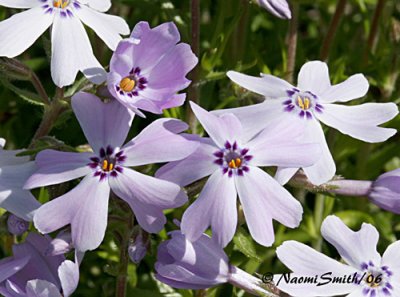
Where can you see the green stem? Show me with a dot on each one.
(193, 91)
(326, 45)
(122, 278)
(374, 30)
(292, 42)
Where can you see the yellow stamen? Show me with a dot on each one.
(60, 3)
(306, 103)
(105, 165)
(110, 167)
(235, 163)
(57, 3)
(300, 102)
(127, 84)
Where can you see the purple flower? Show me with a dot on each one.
(308, 104)
(149, 68)
(279, 8)
(85, 207)
(200, 264)
(385, 191)
(14, 171)
(137, 249)
(30, 273)
(233, 164)
(71, 51)
(16, 225)
(367, 274)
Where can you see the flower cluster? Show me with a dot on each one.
(146, 73)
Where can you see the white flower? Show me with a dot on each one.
(308, 104)
(375, 276)
(71, 50)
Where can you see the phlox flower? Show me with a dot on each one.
(376, 275)
(85, 207)
(200, 264)
(279, 8)
(310, 103)
(14, 171)
(149, 68)
(30, 273)
(233, 165)
(70, 46)
(385, 191)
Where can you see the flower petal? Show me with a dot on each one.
(279, 8)
(356, 86)
(71, 52)
(19, 3)
(324, 169)
(107, 27)
(220, 128)
(68, 272)
(159, 142)
(283, 174)
(152, 44)
(8, 157)
(147, 189)
(267, 85)
(99, 5)
(360, 121)
(314, 77)
(278, 145)
(85, 207)
(103, 123)
(41, 288)
(263, 199)
(215, 206)
(12, 198)
(391, 257)
(194, 167)
(21, 30)
(55, 167)
(354, 247)
(305, 261)
(10, 266)
(256, 117)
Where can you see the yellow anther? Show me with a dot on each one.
(64, 4)
(110, 167)
(57, 3)
(127, 84)
(300, 102)
(60, 3)
(306, 103)
(235, 163)
(105, 165)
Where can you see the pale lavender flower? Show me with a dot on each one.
(71, 50)
(85, 207)
(376, 276)
(14, 171)
(385, 191)
(149, 68)
(137, 248)
(62, 244)
(279, 8)
(199, 265)
(233, 163)
(30, 273)
(16, 225)
(308, 104)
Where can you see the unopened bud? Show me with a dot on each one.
(16, 225)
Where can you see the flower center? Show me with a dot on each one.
(60, 3)
(376, 279)
(108, 162)
(127, 84)
(233, 159)
(131, 84)
(303, 102)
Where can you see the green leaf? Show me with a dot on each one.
(245, 244)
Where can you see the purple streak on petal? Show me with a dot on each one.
(114, 173)
(389, 286)
(370, 263)
(97, 173)
(102, 153)
(302, 113)
(225, 170)
(69, 12)
(109, 150)
(234, 147)
(95, 159)
(247, 158)
(228, 145)
(130, 95)
(143, 80)
(77, 5)
(230, 173)
(364, 266)
(373, 293)
(219, 154)
(63, 14)
(135, 93)
(49, 10)
(219, 162)
(386, 292)
(312, 94)
(137, 71)
(309, 115)
(103, 175)
(245, 168)
(93, 165)
(287, 102)
(119, 169)
(365, 291)
(244, 151)
(117, 88)
(289, 108)
(240, 172)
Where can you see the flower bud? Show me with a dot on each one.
(279, 8)
(16, 225)
(138, 248)
(385, 191)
